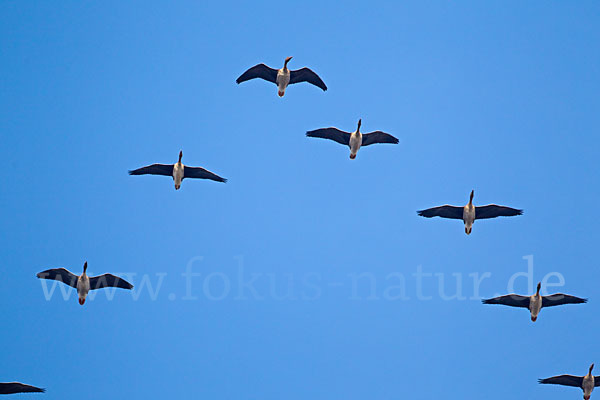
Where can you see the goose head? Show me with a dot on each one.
(471, 196)
(180, 155)
(539, 286)
(591, 368)
(359, 123)
(287, 60)
(84, 267)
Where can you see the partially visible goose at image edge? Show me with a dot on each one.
(84, 283)
(354, 140)
(282, 77)
(17, 387)
(535, 302)
(178, 172)
(587, 382)
(470, 213)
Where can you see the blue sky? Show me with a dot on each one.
(306, 259)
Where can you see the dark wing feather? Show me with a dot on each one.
(445, 211)
(597, 381)
(16, 387)
(108, 280)
(565, 380)
(201, 173)
(332, 134)
(259, 71)
(61, 275)
(378, 137)
(306, 75)
(154, 169)
(493, 211)
(558, 299)
(513, 300)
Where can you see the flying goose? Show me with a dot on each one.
(84, 283)
(282, 77)
(354, 140)
(16, 387)
(586, 383)
(470, 213)
(178, 171)
(536, 302)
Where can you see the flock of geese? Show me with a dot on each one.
(284, 77)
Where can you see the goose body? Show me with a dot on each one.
(83, 283)
(354, 140)
(178, 172)
(535, 305)
(536, 302)
(17, 387)
(469, 213)
(587, 383)
(469, 216)
(282, 77)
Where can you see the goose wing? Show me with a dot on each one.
(558, 299)
(154, 169)
(493, 211)
(61, 275)
(108, 280)
(378, 137)
(258, 71)
(565, 380)
(332, 134)
(16, 387)
(307, 75)
(201, 173)
(513, 300)
(445, 211)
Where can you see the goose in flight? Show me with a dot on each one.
(84, 283)
(178, 171)
(282, 77)
(587, 383)
(535, 302)
(16, 387)
(354, 140)
(470, 213)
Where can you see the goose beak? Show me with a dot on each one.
(287, 60)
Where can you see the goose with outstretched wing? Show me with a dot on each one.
(178, 172)
(587, 382)
(84, 283)
(354, 140)
(282, 77)
(535, 302)
(470, 213)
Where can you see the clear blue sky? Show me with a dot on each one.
(301, 253)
